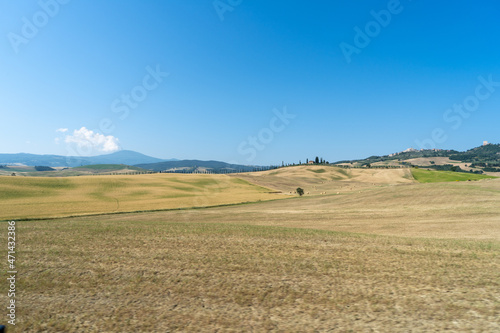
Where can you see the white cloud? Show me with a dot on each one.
(62, 130)
(91, 141)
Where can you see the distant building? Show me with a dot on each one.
(485, 143)
(310, 162)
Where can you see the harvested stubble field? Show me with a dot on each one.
(388, 258)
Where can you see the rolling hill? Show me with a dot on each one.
(35, 197)
(481, 159)
(190, 166)
(384, 254)
(43, 171)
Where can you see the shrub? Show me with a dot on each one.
(300, 191)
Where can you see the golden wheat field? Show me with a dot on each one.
(36, 197)
(365, 251)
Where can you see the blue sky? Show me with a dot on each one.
(252, 82)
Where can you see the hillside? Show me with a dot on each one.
(32, 197)
(326, 180)
(481, 159)
(401, 156)
(191, 166)
(35, 197)
(489, 152)
(107, 168)
(42, 171)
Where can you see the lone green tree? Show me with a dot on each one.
(299, 191)
(316, 160)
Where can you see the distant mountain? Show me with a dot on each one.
(121, 157)
(128, 157)
(190, 166)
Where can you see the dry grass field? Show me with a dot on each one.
(453, 210)
(380, 256)
(167, 276)
(315, 179)
(42, 197)
(87, 170)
